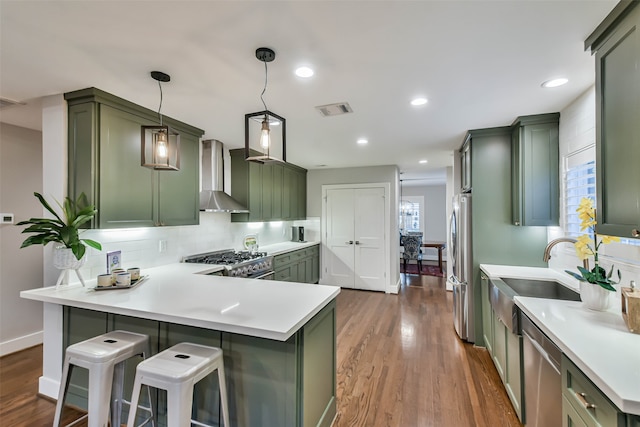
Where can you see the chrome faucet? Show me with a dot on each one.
(547, 251)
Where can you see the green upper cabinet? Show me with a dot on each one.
(617, 45)
(535, 191)
(271, 191)
(465, 165)
(104, 162)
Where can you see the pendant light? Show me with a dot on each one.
(266, 119)
(160, 146)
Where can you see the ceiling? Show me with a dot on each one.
(480, 64)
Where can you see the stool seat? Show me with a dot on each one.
(103, 356)
(114, 346)
(177, 370)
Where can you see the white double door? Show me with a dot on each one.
(355, 247)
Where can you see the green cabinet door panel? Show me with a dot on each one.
(633, 420)
(277, 190)
(487, 314)
(302, 265)
(271, 191)
(79, 325)
(104, 150)
(570, 417)
(178, 191)
(127, 196)
(618, 128)
(319, 366)
(535, 170)
(514, 383)
(500, 347)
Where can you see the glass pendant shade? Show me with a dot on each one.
(160, 148)
(263, 133)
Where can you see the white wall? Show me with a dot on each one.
(435, 213)
(578, 137)
(379, 174)
(20, 269)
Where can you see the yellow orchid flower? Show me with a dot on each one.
(608, 239)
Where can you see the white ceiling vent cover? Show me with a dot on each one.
(334, 109)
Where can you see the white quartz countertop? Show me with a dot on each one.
(175, 294)
(284, 247)
(599, 343)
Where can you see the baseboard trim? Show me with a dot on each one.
(20, 343)
(48, 387)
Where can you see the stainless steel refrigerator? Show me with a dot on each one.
(460, 253)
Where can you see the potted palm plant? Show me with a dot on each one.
(63, 229)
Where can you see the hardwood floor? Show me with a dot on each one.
(400, 364)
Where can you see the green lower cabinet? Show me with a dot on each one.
(507, 358)
(633, 420)
(269, 383)
(302, 266)
(318, 373)
(499, 355)
(487, 314)
(584, 400)
(570, 417)
(514, 382)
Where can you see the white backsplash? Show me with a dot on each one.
(141, 247)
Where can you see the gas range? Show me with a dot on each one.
(256, 265)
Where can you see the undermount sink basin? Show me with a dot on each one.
(502, 291)
(542, 289)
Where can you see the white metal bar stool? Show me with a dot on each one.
(103, 356)
(177, 370)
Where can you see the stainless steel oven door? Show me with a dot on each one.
(269, 275)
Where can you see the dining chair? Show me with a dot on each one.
(412, 251)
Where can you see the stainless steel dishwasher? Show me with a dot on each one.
(542, 378)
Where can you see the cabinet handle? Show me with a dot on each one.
(357, 242)
(583, 400)
(350, 242)
(516, 223)
(635, 232)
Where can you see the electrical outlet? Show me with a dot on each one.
(162, 246)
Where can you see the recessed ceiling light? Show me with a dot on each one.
(363, 141)
(422, 162)
(416, 102)
(304, 72)
(555, 82)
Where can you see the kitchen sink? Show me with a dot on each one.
(542, 289)
(502, 291)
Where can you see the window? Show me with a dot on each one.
(580, 181)
(411, 213)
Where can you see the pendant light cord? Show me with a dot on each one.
(265, 85)
(160, 106)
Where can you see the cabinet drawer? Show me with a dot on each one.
(588, 401)
(570, 417)
(280, 260)
(313, 251)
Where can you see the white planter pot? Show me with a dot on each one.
(64, 259)
(595, 297)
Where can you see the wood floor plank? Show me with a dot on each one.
(399, 364)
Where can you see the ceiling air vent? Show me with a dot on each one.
(334, 109)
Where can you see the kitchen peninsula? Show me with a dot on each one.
(278, 338)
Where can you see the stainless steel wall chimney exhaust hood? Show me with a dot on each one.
(212, 197)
